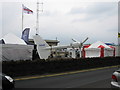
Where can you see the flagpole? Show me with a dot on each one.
(22, 17)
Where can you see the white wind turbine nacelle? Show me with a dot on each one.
(77, 43)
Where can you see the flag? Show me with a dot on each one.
(27, 10)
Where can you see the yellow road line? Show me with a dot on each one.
(66, 73)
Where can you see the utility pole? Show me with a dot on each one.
(118, 29)
(37, 19)
(22, 17)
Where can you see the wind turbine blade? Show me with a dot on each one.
(85, 40)
(74, 40)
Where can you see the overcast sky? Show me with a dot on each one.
(64, 19)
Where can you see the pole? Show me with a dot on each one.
(22, 17)
(118, 28)
(37, 19)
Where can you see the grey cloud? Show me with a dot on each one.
(49, 13)
(46, 13)
(115, 29)
(96, 8)
(11, 17)
(95, 11)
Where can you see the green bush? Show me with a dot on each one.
(35, 67)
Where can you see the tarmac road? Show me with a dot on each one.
(92, 78)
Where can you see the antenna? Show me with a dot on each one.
(37, 19)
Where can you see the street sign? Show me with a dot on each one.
(118, 35)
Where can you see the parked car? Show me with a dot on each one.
(7, 82)
(115, 82)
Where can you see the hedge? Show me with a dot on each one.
(38, 67)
